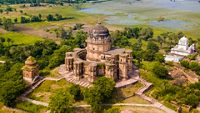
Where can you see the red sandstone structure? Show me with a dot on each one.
(30, 70)
(99, 58)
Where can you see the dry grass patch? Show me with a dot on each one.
(135, 99)
(47, 88)
(127, 95)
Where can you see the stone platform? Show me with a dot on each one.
(85, 83)
(125, 83)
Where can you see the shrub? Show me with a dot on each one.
(185, 64)
(75, 90)
(160, 71)
(112, 110)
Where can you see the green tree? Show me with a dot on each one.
(58, 17)
(50, 17)
(11, 83)
(80, 38)
(75, 90)
(160, 40)
(61, 102)
(2, 40)
(160, 71)
(192, 100)
(35, 19)
(185, 64)
(152, 47)
(58, 56)
(146, 33)
(112, 110)
(148, 55)
(15, 20)
(194, 66)
(1, 10)
(8, 24)
(159, 57)
(100, 93)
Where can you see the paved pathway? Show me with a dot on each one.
(34, 101)
(32, 87)
(2, 62)
(155, 105)
(68, 77)
(154, 102)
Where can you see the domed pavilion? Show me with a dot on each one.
(30, 70)
(99, 58)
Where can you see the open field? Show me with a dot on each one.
(20, 38)
(117, 15)
(30, 108)
(47, 88)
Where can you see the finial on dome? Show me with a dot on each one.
(98, 23)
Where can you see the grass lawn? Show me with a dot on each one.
(47, 88)
(19, 38)
(4, 109)
(135, 99)
(126, 95)
(54, 73)
(31, 108)
(3, 58)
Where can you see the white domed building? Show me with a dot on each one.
(181, 50)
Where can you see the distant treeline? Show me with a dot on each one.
(42, 1)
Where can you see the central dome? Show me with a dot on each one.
(99, 30)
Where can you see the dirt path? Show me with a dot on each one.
(191, 76)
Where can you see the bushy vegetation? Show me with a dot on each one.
(188, 95)
(75, 90)
(37, 2)
(160, 71)
(194, 66)
(11, 83)
(7, 24)
(47, 53)
(100, 93)
(29, 107)
(39, 18)
(61, 102)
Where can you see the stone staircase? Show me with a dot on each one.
(81, 82)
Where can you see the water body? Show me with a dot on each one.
(127, 12)
(172, 24)
(122, 20)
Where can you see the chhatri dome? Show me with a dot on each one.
(183, 41)
(99, 30)
(98, 42)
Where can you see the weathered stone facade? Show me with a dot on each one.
(98, 58)
(30, 70)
